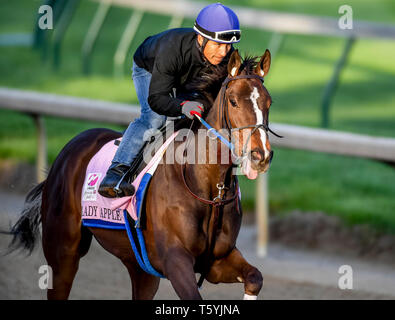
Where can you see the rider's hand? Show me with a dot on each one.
(191, 108)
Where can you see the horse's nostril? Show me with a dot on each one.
(257, 155)
(271, 156)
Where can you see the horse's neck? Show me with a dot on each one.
(213, 115)
(204, 178)
(214, 173)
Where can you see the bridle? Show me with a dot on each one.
(225, 109)
(226, 123)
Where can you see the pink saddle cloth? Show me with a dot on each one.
(97, 207)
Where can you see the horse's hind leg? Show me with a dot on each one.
(64, 263)
(64, 243)
(234, 268)
(144, 285)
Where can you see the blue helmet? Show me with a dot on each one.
(218, 23)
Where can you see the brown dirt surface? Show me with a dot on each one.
(304, 254)
(288, 273)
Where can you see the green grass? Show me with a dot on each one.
(357, 190)
(380, 11)
(363, 191)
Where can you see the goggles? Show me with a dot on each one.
(228, 36)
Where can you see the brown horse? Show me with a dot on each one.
(183, 234)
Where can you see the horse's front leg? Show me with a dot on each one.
(234, 268)
(179, 270)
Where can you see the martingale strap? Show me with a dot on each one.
(218, 203)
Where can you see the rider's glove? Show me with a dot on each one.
(191, 108)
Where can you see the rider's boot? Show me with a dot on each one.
(116, 182)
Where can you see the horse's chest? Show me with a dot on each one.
(227, 234)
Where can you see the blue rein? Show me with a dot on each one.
(229, 144)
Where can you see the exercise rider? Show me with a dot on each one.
(168, 60)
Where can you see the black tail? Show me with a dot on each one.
(26, 230)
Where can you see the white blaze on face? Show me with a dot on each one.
(259, 117)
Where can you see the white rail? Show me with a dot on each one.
(279, 22)
(295, 137)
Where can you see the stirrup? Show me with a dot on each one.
(117, 190)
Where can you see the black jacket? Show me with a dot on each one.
(173, 58)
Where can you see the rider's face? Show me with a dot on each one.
(213, 51)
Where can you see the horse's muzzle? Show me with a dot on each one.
(261, 161)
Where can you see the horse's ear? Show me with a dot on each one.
(234, 63)
(262, 68)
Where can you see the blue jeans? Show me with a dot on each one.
(133, 137)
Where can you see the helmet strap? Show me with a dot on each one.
(203, 45)
(205, 40)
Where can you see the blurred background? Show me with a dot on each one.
(354, 79)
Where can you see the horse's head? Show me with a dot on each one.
(246, 104)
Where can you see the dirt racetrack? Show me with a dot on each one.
(288, 273)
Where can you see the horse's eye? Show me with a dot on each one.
(233, 103)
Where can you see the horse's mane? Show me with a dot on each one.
(207, 85)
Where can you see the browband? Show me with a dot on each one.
(246, 76)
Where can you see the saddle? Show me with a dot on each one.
(122, 213)
(153, 143)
